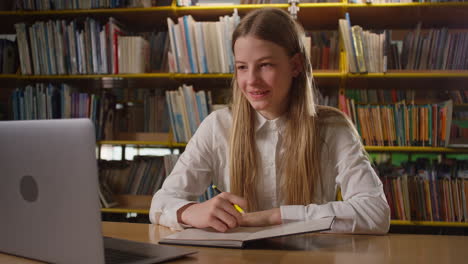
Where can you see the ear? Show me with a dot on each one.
(296, 64)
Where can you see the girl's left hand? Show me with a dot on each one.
(262, 218)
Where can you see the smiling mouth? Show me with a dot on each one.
(259, 92)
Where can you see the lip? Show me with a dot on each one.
(254, 94)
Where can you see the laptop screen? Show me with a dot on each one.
(49, 191)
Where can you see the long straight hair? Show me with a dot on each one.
(300, 162)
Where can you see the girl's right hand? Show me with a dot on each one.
(218, 212)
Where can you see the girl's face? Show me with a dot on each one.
(264, 74)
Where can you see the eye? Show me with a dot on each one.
(241, 67)
(266, 65)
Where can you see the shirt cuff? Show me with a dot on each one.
(292, 213)
(169, 217)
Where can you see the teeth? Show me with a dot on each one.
(258, 93)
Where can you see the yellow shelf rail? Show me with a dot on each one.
(415, 149)
(368, 148)
(174, 8)
(136, 143)
(402, 74)
(386, 5)
(86, 76)
(228, 7)
(428, 223)
(88, 11)
(317, 74)
(124, 210)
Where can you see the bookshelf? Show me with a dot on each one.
(323, 16)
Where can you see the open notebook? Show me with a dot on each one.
(236, 237)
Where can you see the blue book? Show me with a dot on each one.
(200, 106)
(48, 49)
(190, 46)
(21, 114)
(188, 93)
(204, 106)
(40, 55)
(353, 47)
(14, 100)
(173, 39)
(202, 48)
(171, 116)
(180, 126)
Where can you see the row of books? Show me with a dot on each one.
(435, 49)
(427, 191)
(87, 47)
(388, 96)
(458, 96)
(324, 50)
(401, 124)
(399, 1)
(243, 2)
(380, 96)
(328, 100)
(374, 52)
(142, 176)
(42, 5)
(149, 116)
(159, 47)
(58, 47)
(364, 49)
(46, 101)
(8, 54)
(133, 54)
(207, 195)
(201, 47)
(459, 130)
(187, 109)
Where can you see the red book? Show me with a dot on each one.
(325, 58)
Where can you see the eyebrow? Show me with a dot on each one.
(260, 59)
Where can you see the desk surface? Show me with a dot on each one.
(310, 248)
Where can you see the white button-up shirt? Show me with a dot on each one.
(364, 208)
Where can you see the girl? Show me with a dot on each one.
(275, 152)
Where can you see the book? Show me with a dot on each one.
(238, 237)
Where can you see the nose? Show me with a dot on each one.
(252, 76)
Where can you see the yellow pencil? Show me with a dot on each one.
(238, 208)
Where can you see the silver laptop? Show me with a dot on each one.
(49, 202)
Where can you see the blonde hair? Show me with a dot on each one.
(300, 163)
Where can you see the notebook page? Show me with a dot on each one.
(293, 228)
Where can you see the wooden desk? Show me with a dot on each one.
(311, 248)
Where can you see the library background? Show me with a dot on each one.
(148, 72)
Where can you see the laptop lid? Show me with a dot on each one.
(49, 200)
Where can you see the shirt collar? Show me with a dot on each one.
(277, 124)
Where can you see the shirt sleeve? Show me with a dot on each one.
(188, 180)
(364, 208)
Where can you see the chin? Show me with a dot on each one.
(259, 107)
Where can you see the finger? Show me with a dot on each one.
(229, 220)
(223, 204)
(234, 199)
(230, 209)
(219, 226)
